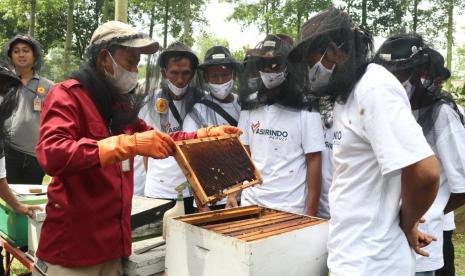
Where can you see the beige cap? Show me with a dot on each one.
(118, 30)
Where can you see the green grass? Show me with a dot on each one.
(459, 244)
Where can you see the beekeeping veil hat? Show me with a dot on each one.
(332, 27)
(35, 45)
(270, 55)
(8, 80)
(402, 52)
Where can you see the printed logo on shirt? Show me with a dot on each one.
(337, 137)
(274, 134)
(168, 129)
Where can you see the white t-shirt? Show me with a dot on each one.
(163, 175)
(375, 136)
(449, 221)
(327, 172)
(208, 116)
(450, 150)
(2, 168)
(279, 138)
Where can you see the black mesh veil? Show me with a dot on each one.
(432, 100)
(9, 83)
(154, 86)
(410, 55)
(270, 53)
(331, 29)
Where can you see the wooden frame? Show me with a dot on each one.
(250, 223)
(193, 178)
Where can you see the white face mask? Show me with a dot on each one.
(176, 90)
(221, 91)
(253, 83)
(123, 79)
(426, 82)
(319, 75)
(271, 80)
(409, 88)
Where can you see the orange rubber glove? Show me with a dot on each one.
(218, 131)
(150, 143)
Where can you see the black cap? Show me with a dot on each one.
(272, 46)
(178, 49)
(219, 55)
(403, 51)
(323, 23)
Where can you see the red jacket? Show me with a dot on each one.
(89, 207)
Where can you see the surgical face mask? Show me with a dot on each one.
(176, 90)
(429, 85)
(123, 79)
(252, 83)
(426, 82)
(221, 91)
(272, 80)
(319, 75)
(409, 88)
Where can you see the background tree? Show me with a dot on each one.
(274, 16)
(69, 36)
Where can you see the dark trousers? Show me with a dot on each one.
(22, 168)
(448, 250)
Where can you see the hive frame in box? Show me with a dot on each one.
(193, 179)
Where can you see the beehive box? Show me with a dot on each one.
(216, 166)
(246, 241)
(14, 227)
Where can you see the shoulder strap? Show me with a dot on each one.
(175, 112)
(218, 109)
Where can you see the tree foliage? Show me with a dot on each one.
(275, 16)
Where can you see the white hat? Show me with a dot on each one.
(112, 30)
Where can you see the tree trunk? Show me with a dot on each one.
(165, 23)
(148, 71)
(32, 18)
(267, 20)
(450, 37)
(364, 13)
(121, 10)
(106, 11)
(415, 15)
(186, 37)
(69, 37)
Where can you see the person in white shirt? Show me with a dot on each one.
(327, 161)
(220, 106)
(416, 66)
(285, 141)
(165, 110)
(383, 162)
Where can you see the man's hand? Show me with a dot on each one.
(217, 131)
(231, 201)
(28, 210)
(417, 239)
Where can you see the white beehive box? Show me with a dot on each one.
(34, 226)
(197, 250)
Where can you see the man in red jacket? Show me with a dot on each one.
(88, 137)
